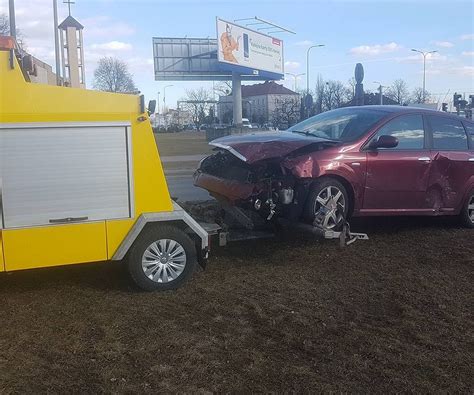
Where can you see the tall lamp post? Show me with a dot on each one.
(380, 90)
(11, 17)
(307, 64)
(424, 53)
(295, 76)
(164, 102)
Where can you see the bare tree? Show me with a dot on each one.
(335, 95)
(196, 103)
(112, 75)
(223, 88)
(418, 97)
(5, 30)
(286, 112)
(4, 25)
(398, 92)
(319, 95)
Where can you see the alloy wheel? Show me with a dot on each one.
(164, 261)
(332, 199)
(470, 209)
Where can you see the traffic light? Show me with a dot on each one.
(444, 107)
(456, 98)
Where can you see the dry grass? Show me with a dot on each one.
(393, 314)
(184, 143)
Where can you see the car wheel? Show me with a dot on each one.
(329, 195)
(467, 215)
(163, 258)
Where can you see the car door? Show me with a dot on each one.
(397, 178)
(452, 167)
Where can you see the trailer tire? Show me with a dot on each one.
(323, 189)
(162, 258)
(467, 213)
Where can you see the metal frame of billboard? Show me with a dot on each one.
(194, 59)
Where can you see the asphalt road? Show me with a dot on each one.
(179, 171)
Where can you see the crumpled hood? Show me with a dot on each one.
(254, 147)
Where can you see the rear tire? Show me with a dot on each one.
(162, 258)
(320, 193)
(467, 213)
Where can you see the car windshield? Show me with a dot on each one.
(345, 124)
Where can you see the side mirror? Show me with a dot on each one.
(384, 141)
(151, 107)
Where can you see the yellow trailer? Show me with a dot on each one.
(81, 181)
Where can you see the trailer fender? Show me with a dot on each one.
(178, 214)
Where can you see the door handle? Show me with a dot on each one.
(67, 220)
(471, 159)
(425, 159)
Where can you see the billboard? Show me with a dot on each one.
(249, 52)
(192, 59)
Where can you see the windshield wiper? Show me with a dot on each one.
(300, 132)
(313, 135)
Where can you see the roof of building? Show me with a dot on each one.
(266, 88)
(70, 22)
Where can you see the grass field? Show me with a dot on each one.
(392, 314)
(184, 143)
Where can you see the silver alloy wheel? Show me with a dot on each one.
(470, 209)
(164, 261)
(333, 200)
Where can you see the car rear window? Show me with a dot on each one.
(448, 134)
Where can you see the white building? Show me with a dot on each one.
(259, 102)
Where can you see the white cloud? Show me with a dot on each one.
(417, 58)
(304, 43)
(467, 37)
(375, 49)
(467, 53)
(466, 71)
(291, 65)
(113, 46)
(443, 44)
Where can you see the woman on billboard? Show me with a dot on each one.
(229, 45)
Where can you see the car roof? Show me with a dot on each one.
(407, 109)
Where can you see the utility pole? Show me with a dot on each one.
(307, 64)
(11, 17)
(56, 43)
(424, 53)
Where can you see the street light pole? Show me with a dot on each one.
(307, 64)
(381, 91)
(295, 76)
(424, 53)
(11, 17)
(164, 97)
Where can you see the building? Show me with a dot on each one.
(72, 53)
(259, 102)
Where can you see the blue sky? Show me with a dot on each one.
(378, 34)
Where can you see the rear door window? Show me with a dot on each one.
(409, 131)
(448, 134)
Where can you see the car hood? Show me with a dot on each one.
(254, 147)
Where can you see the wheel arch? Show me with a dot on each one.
(178, 218)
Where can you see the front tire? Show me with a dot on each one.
(332, 195)
(163, 258)
(467, 214)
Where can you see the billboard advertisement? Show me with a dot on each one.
(249, 52)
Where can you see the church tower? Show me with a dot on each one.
(72, 52)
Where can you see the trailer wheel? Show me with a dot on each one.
(467, 214)
(331, 194)
(163, 258)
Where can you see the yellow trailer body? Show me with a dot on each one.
(81, 179)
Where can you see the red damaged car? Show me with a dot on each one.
(356, 161)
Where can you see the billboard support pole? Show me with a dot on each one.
(237, 98)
